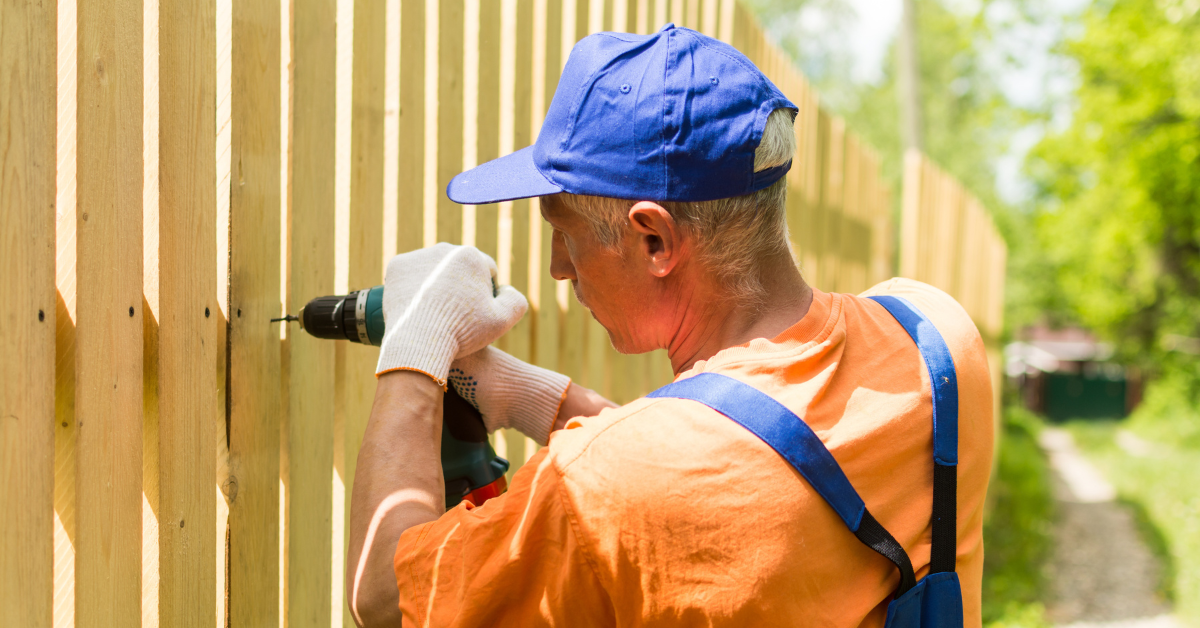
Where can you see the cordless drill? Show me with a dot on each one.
(472, 470)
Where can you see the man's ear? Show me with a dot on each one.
(659, 237)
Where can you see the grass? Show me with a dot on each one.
(1162, 485)
(1017, 533)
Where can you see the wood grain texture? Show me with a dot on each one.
(188, 312)
(411, 156)
(108, 340)
(27, 316)
(512, 234)
(366, 261)
(308, 435)
(516, 101)
(544, 312)
(487, 123)
(449, 120)
(254, 359)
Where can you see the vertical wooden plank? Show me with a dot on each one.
(254, 284)
(570, 17)
(108, 341)
(468, 40)
(449, 120)
(595, 15)
(572, 348)
(725, 29)
(308, 435)
(366, 260)
(411, 155)
(660, 13)
(815, 257)
(542, 290)
(910, 213)
(187, 301)
(28, 78)
(512, 234)
(543, 308)
(846, 268)
(573, 318)
(391, 125)
(487, 146)
(619, 16)
(708, 18)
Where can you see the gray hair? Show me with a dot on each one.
(735, 237)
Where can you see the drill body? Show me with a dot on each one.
(471, 468)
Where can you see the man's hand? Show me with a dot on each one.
(509, 392)
(442, 303)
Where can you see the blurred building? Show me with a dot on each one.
(1066, 373)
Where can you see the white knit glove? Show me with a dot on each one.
(441, 303)
(509, 392)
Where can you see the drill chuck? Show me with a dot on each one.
(357, 317)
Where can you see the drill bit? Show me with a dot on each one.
(287, 318)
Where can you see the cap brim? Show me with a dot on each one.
(507, 178)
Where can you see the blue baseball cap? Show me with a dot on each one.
(673, 116)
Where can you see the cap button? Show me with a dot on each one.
(669, 26)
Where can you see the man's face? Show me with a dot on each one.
(611, 282)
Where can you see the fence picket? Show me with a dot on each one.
(188, 313)
(27, 337)
(254, 284)
(308, 434)
(108, 342)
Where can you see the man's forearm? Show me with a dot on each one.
(580, 401)
(397, 485)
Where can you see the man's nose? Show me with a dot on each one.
(561, 267)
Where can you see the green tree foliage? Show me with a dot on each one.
(1120, 218)
(965, 51)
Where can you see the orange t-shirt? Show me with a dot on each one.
(665, 513)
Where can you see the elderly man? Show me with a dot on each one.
(660, 168)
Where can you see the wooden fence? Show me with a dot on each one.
(948, 240)
(184, 170)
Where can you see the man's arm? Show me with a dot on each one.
(397, 485)
(579, 401)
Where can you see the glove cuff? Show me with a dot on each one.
(511, 393)
(423, 343)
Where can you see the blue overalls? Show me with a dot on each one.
(935, 601)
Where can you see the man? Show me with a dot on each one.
(661, 512)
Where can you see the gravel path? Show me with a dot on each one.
(1102, 572)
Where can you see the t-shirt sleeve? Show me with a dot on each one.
(515, 561)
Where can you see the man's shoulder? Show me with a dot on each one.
(648, 445)
(642, 424)
(946, 314)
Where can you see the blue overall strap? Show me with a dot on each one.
(793, 439)
(944, 385)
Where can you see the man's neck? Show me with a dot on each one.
(710, 323)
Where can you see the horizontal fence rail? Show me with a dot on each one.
(173, 174)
